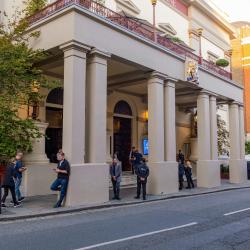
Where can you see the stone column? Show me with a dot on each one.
(161, 179)
(208, 171)
(97, 106)
(88, 183)
(156, 118)
(213, 128)
(74, 101)
(237, 163)
(169, 112)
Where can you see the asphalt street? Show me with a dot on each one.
(215, 221)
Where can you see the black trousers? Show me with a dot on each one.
(6, 192)
(116, 188)
(190, 181)
(180, 182)
(141, 184)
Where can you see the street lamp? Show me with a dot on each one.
(154, 2)
(33, 104)
(199, 32)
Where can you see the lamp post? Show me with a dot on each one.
(154, 2)
(199, 32)
(33, 101)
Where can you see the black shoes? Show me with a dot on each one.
(137, 197)
(18, 204)
(3, 205)
(21, 199)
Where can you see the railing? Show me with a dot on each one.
(130, 24)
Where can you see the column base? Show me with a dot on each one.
(237, 171)
(163, 178)
(37, 179)
(88, 184)
(208, 174)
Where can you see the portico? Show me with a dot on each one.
(96, 75)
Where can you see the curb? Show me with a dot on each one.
(98, 207)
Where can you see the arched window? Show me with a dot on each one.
(55, 96)
(122, 108)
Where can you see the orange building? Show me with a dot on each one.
(241, 66)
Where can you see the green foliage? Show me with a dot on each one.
(19, 84)
(223, 136)
(247, 147)
(32, 6)
(176, 39)
(222, 62)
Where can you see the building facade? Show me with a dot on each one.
(126, 84)
(241, 65)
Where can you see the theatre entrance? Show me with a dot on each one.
(122, 133)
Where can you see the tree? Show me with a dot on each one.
(223, 136)
(32, 6)
(19, 80)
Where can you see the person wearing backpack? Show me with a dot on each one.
(142, 172)
(9, 184)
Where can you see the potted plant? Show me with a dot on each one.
(222, 62)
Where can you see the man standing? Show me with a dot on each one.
(61, 183)
(19, 169)
(132, 159)
(142, 172)
(115, 173)
(181, 157)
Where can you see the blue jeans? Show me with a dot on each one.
(18, 183)
(60, 185)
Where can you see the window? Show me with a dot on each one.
(123, 108)
(55, 96)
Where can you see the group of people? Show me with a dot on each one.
(184, 168)
(13, 179)
(139, 167)
(13, 176)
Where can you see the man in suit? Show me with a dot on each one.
(142, 172)
(115, 173)
(61, 183)
(132, 159)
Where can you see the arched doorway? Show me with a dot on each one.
(122, 130)
(54, 116)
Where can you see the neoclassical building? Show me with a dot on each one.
(127, 83)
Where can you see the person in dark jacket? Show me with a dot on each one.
(188, 173)
(61, 183)
(180, 157)
(142, 172)
(9, 184)
(180, 174)
(137, 159)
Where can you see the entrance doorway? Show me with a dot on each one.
(122, 140)
(122, 133)
(54, 116)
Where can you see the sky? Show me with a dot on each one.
(238, 10)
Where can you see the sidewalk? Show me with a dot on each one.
(41, 206)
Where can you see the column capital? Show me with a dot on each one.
(99, 53)
(157, 75)
(213, 98)
(98, 56)
(235, 103)
(76, 46)
(170, 82)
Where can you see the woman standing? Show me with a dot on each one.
(9, 184)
